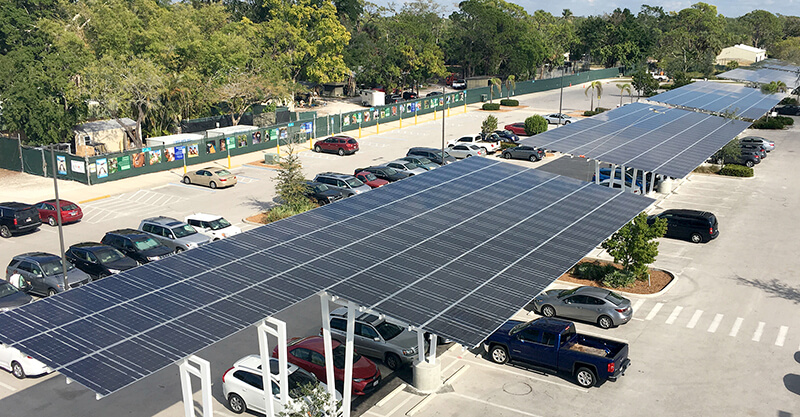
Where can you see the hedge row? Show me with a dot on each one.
(491, 106)
(736, 171)
(778, 122)
(509, 102)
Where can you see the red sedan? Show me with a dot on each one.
(70, 212)
(309, 353)
(518, 128)
(343, 145)
(370, 179)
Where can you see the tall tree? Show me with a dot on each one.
(764, 28)
(693, 40)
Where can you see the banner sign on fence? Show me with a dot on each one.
(138, 160)
(124, 162)
(102, 167)
(155, 156)
(306, 127)
(193, 151)
(61, 164)
(78, 166)
(179, 152)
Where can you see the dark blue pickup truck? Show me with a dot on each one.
(554, 345)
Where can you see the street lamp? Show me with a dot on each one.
(443, 102)
(54, 168)
(561, 93)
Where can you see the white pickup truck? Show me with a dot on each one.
(489, 147)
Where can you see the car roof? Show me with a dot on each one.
(53, 201)
(551, 324)
(36, 256)
(166, 221)
(588, 290)
(127, 232)
(15, 205)
(688, 212)
(203, 217)
(253, 363)
(314, 343)
(341, 312)
(335, 175)
(85, 245)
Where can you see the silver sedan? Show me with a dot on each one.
(591, 304)
(465, 150)
(407, 166)
(559, 119)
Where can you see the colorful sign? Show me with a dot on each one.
(155, 156)
(193, 151)
(124, 162)
(78, 166)
(138, 160)
(179, 152)
(61, 164)
(102, 167)
(256, 137)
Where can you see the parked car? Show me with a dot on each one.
(243, 386)
(756, 140)
(409, 95)
(421, 162)
(406, 166)
(748, 158)
(554, 345)
(592, 304)
(378, 338)
(19, 364)
(18, 218)
(524, 152)
(70, 212)
(617, 183)
(137, 244)
(433, 93)
(788, 110)
(45, 273)
(173, 232)
(212, 177)
(309, 353)
(212, 225)
(14, 295)
(559, 119)
(466, 150)
(394, 98)
(694, 225)
(517, 128)
(98, 260)
(385, 173)
(459, 84)
(370, 179)
(506, 136)
(755, 148)
(321, 193)
(347, 184)
(343, 145)
(433, 154)
(488, 146)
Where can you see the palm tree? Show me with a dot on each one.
(511, 84)
(622, 89)
(494, 82)
(596, 87)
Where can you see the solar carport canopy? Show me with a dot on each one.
(746, 102)
(761, 75)
(457, 250)
(658, 139)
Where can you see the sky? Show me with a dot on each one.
(728, 8)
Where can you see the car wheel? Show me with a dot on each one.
(187, 180)
(697, 238)
(179, 249)
(317, 149)
(566, 122)
(51, 292)
(749, 164)
(17, 371)
(468, 155)
(485, 151)
(236, 404)
(533, 158)
(499, 354)
(52, 221)
(213, 185)
(341, 152)
(605, 322)
(585, 377)
(507, 155)
(392, 361)
(5, 232)
(548, 311)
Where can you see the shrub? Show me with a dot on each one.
(634, 245)
(588, 113)
(489, 125)
(594, 271)
(789, 100)
(600, 109)
(771, 123)
(509, 102)
(619, 279)
(736, 171)
(535, 124)
(506, 145)
(491, 106)
(786, 120)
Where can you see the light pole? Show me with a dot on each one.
(54, 168)
(561, 94)
(443, 101)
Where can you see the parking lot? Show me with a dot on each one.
(723, 340)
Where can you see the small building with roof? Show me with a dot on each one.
(102, 136)
(743, 54)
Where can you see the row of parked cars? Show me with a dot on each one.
(18, 218)
(753, 150)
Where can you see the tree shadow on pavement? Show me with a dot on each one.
(260, 205)
(774, 288)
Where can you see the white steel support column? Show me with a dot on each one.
(348, 359)
(279, 331)
(597, 172)
(421, 345)
(432, 349)
(326, 337)
(652, 181)
(612, 174)
(200, 368)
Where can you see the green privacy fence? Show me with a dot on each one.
(10, 157)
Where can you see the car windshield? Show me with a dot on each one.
(218, 224)
(424, 161)
(354, 182)
(146, 243)
(411, 165)
(223, 172)
(388, 330)
(108, 255)
(565, 293)
(390, 171)
(54, 267)
(446, 155)
(615, 298)
(370, 176)
(299, 379)
(69, 207)
(320, 188)
(7, 289)
(517, 328)
(183, 231)
(338, 357)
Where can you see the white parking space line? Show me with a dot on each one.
(637, 304)
(654, 311)
(759, 332)
(513, 410)
(672, 317)
(398, 406)
(6, 386)
(529, 375)
(781, 336)
(715, 324)
(693, 321)
(391, 395)
(736, 325)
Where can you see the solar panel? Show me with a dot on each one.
(763, 76)
(778, 65)
(658, 139)
(401, 238)
(746, 102)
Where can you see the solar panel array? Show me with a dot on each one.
(457, 250)
(762, 76)
(667, 141)
(745, 102)
(778, 65)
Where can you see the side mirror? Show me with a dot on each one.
(566, 301)
(376, 338)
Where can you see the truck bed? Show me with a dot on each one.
(595, 346)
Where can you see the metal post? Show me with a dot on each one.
(58, 215)
(634, 181)
(326, 338)
(348, 359)
(432, 349)
(443, 122)
(202, 369)
(279, 331)
(561, 94)
(21, 159)
(652, 181)
(420, 345)
(228, 148)
(86, 168)
(612, 174)
(597, 172)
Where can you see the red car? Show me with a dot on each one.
(370, 179)
(518, 128)
(70, 212)
(343, 145)
(309, 353)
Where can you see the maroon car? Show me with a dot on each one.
(70, 212)
(518, 128)
(309, 353)
(370, 179)
(343, 145)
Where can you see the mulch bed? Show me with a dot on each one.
(658, 280)
(257, 218)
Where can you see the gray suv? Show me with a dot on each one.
(347, 184)
(378, 338)
(174, 233)
(44, 273)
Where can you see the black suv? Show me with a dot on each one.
(18, 218)
(694, 225)
(320, 193)
(385, 173)
(137, 244)
(99, 260)
(435, 155)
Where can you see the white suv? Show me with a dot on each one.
(211, 225)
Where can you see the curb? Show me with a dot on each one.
(252, 223)
(94, 199)
(630, 294)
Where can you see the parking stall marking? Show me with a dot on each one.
(514, 410)
(637, 304)
(781, 336)
(736, 325)
(654, 311)
(672, 317)
(8, 387)
(759, 332)
(141, 202)
(715, 324)
(693, 321)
